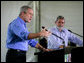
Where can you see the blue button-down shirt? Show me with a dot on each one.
(54, 42)
(17, 36)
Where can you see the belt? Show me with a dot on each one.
(16, 50)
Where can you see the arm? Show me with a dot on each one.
(75, 39)
(38, 46)
(33, 35)
(43, 33)
(34, 43)
(25, 34)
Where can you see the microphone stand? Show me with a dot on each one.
(75, 33)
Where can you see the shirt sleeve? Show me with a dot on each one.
(32, 42)
(20, 31)
(74, 39)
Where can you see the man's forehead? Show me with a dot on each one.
(61, 20)
(30, 9)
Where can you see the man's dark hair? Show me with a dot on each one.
(59, 17)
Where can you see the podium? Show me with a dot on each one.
(51, 56)
(58, 55)
(77, 54)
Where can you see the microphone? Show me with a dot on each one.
(43, 28)
(70, 30)
(74, 33)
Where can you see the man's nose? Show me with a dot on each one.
(61, 23)
(31, 17)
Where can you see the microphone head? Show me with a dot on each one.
(69, 30)
(43, 27)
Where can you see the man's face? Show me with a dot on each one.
(28, 15)
(60, 23)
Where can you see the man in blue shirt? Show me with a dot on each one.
(57, 43)
(19, 38)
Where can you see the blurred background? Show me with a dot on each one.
(45, 14)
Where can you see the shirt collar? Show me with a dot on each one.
(58, 29)
(22, 21)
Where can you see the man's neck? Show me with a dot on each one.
(60, 29)
(22, 18)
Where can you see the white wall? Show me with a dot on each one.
(9, 11)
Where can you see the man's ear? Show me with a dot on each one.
(22, 13)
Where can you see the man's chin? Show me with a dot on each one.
(60, 27)
(29, 21)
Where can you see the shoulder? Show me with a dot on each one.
(15, 22)
(52, 28)
(66, 31)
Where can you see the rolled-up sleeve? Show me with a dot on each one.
(32, 42)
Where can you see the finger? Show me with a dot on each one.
(43, 30)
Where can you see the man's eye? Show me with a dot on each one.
(62, 22)
(31, 14)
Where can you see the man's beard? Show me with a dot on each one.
(60, 27)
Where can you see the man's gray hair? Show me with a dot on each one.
(24, 9)
(59, 17)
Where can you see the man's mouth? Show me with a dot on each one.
(29, 19)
